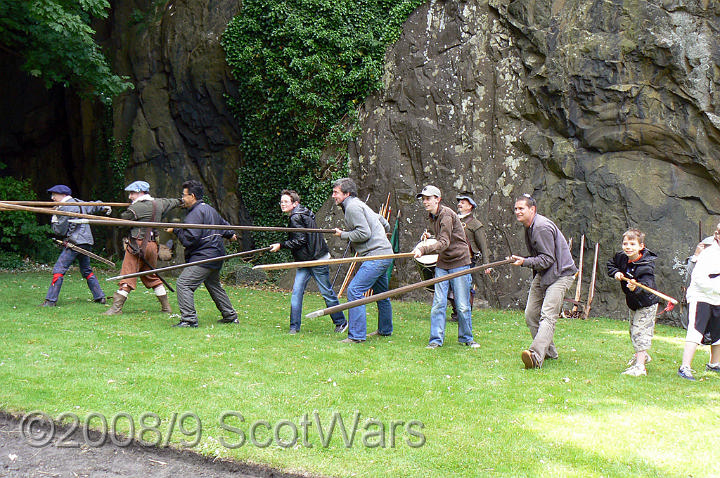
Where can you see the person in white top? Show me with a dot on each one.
(703, 296)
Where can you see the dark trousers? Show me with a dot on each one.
(66, 259)
(190, 279)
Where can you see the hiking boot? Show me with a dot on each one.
(712, 368)
(635, 371)
(472, 344)
(47, 303)
(378, 334)
(529, 359)
(339, 329)
(117, 305)
(686, 373)
(164, 304)
(632, 361)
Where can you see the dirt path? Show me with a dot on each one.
(18, 458)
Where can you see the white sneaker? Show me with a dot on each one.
(635, 371)
(648, 359)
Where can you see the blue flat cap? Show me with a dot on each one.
(138, 187)
(60, 189)
(468, 197)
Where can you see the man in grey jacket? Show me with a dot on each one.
(553, 274)
(366, 230)
(78, 234)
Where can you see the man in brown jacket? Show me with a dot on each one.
(453, 256)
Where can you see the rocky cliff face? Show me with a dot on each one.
(606, 112)
(176, 117)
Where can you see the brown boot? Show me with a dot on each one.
(165, 304)
(117, 305)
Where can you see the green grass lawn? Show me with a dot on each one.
(482, 413)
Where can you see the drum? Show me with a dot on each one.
(426, 263)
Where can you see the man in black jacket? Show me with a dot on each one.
(202, 244)
(307, 247)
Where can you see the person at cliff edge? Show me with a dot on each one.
(141, 247)
(73, 233)
(553, 274)
(201, 244)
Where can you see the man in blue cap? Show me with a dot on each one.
(477, 241)
(141, 248)
(78, 234)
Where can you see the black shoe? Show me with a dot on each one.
(228, 320)
(182, 323)
(47, 303)
(453, 317)
(101, 300)
(339, 329)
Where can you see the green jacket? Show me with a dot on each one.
(477, 240)
(142, 211)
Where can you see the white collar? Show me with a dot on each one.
(144, 197)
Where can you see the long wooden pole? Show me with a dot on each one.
(82, 251)
(180, 225)
(56, 212)
(591, 292)
(402, 290)
(78, 203)
(111, 221)
(578, 289)
(188, 264)
(330, 262)
(651, 290)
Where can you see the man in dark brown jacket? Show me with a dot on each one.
(453, 256)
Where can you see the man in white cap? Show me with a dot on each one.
(141, 248)
(78, 234)
(453, 256)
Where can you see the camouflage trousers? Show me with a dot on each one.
(642, 327)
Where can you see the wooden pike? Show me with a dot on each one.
(402, 290)
(180, 225)
(591, 292)
(651, 290)
(188, 264)
(330, 262)
(82, 251)
(40, 210)
(112, 221)
(578, 288)
(79, 203)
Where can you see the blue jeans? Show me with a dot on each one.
(67, 257)
(370, 275)
(461, 288)
(321, 274)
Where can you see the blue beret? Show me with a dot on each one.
(138, 187)
(467, 197)
(60, 189)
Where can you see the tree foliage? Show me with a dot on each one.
(303, 66)
(55, 39)
(20, 234)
